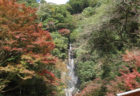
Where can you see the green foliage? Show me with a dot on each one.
(116, 33)
(85, 71)
(55, 17)
(104, 35)
(31, 3)
(42, 1)
(99, 30)
(89, 11)
(78, 5)
(94, 3)
(74, 35)
(61, 45)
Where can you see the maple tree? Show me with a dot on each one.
(64, 31)
(92, 87)
(25, 49)
(130, 75)
(128, 79)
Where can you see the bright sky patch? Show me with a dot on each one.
(57, 1)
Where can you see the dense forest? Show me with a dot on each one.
(35, 38)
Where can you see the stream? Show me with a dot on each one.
(72, 81)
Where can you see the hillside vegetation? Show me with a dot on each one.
(34, 42)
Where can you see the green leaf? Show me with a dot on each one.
(11, 59)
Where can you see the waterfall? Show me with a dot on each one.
(72, 81)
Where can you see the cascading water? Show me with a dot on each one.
(72, 81)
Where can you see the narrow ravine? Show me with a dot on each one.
(72, 81)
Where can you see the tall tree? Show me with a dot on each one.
(32, 3)
(77, 6)
(25, 49)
